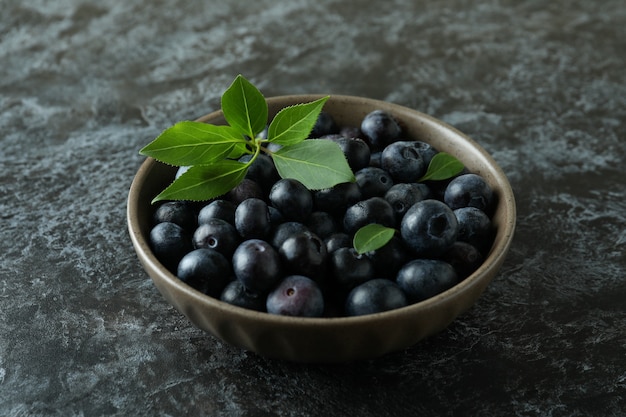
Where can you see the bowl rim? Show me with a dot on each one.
(492, 261)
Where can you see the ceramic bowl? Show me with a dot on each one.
(339, 339)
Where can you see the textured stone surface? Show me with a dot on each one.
(83, 85)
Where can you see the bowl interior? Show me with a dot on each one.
(342, 338)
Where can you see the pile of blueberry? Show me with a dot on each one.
(272, 245)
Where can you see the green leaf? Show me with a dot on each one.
(203, 182)
(371, 237)
(442, 167)
(294, 124)
(244, 107)
(193, 143)
(316, 163)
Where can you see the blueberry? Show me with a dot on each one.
(380, 128)
(429, 228)
(296, 295)
(257, 265)
(218, 209)
(474, 227)
(237, 294)
(305, 254)
(252, 219)
(372, 210)
(206, 270)
(321, 223)
(375, 159)
(388, 260)
(286, 230)
(350, 268)
(276, 217)
(469, 190)
(425, 150)
(357, 152)
(292, 198)
(262, 171)
(217, 234)
(375, 296)
(170, 243)
(351, 132)
(402, 196)
(337, 199)
(179, 212)
(373, 182)
(336, 241)
(403, 161)
(324, 125)
(246, 189)
(464, 258)
(424, 278)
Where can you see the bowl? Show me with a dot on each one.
(336, 339)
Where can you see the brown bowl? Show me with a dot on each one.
(337, 339)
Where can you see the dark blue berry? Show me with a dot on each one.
(206, 270)
(218, 209)
(262, 171)
(350, 268)
(351, 132)
(286, 230)
(337, 199)
(336, 241)
(257, 265)
(276, 217)
(246, 189)
(375, 159)
(237, 294)
(424, 278)
(321, 223)
(179, 212)
(469, 190)
(324, 125)
(375, 296)
(403, 161)
(380, 128)
(357, 152)
(305, 254)
(217, 234)
(372, 210)
(426, 151)
(298, 296)
(292, 198)
(402, 196)
(474, 227)
(252, 219)
(388, 259)
(170, 243)
(464, 258)
(429, 228)
(373, 182)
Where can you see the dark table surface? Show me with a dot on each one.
(84, 85)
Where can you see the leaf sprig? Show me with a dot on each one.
(212, 151)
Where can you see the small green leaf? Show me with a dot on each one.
(371, 237)
(316, 163)
(203, 182)
(192, 143)
(294, 124)
(442, 167)
(244, 107)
